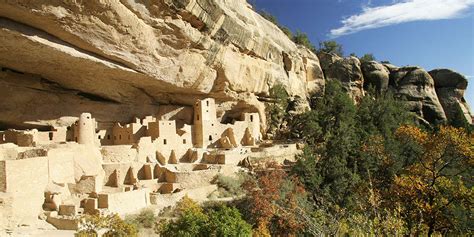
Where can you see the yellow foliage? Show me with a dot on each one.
(261, 230)
(188, 204)
(431, 185)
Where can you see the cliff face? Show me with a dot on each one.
(120, 59)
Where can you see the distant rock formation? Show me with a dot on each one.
(375, 75)
(450, 87)
(346, 70)
(416, 86)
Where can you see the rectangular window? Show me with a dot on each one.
(184, 141)
(51, 136)
(207, 103)
(164, 141)
(120, 137)
(108, 137)
(100, 137)
(251, 118)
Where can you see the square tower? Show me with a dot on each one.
(205, 123)
(253, 124)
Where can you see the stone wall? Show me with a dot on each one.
(25, 182)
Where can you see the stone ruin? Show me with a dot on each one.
(92, 167)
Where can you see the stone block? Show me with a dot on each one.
(126, 202)
(88, 184)
(63, 223)
(90, 205)
(67, 210)
(166, 188)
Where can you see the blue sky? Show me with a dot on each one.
(428, 33)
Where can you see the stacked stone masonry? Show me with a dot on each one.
(91, 167)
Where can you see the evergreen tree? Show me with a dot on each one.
(331, 47)
(302, 39)
(367, 57)
(330, 133)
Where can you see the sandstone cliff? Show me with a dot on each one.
(120, 59)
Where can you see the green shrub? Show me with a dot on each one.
(276, 111)
(231, 185)
(227, 221)
(145, 219)
(302, 39)
(331, 47)
(115, 226)
(192, 220)
(367, 57)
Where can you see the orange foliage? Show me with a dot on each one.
(269, 208)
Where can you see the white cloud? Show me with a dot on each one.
(400, 12)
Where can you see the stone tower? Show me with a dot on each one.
(205, 123)
(86, 129)
(253, 124)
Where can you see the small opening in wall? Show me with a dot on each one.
(197, 117)
(207, 111)
(100, 137)
(120, 137)
(169, 123)
(210, 138)
(212, 125)
(88, 117)
(75, 139)
(164, 141)
(51, 136)
(251, 118)
(108, 137)
(207, 103)
(184, 141)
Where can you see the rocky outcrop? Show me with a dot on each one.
(417, 87)
(346, 70)
(450, 87)
(375, 75)
(126, 57)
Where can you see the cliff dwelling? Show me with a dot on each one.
(90, 167)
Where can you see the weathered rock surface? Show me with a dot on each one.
(347, 70)
(123, 58)
(450, 87)
(376, 75)
(417, 87)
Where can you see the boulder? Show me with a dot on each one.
(450, 87)
(446, 78)
(416, 86)
(326, 59)
(349, 73)
(376, 75)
